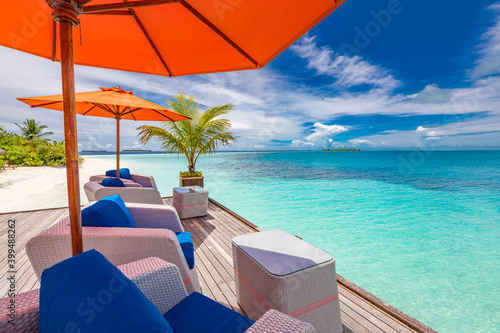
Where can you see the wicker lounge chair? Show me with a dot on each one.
(161, 283)
(145, 181)
(132, 192)
(155, 236)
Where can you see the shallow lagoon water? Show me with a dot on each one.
(420, 230)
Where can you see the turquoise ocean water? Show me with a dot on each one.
(418, 229)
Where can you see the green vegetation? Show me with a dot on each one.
(199, 136)
(32, 130)
(347, 149)
(36, 151)
(187, 174)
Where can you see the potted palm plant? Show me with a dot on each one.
(199, 136)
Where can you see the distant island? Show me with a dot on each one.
(353, 149)
(136, 151)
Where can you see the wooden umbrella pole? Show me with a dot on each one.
(68, 87)
(117, 147)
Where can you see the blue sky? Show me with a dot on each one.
(373, 75)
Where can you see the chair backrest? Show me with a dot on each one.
(130, 193)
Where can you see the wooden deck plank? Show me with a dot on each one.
(373, 314)
(212, 237)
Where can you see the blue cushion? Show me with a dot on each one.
(112, 182)
(186, 242)
(124, 173)
(86, 293)
(198, 313)
(108, 212)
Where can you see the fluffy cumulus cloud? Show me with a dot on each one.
(349, 71)
(322, 132)
(320, 136)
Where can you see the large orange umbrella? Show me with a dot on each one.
(110, 103)
(163, 37)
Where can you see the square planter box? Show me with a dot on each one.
(191, 181)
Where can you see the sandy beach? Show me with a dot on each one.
(28, 188)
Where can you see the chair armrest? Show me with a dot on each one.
(132, 184)
(144, 180)
(159, 280)
(118, 245)
(155, 216)
(275, 321)
(26, 313)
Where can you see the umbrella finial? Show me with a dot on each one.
(64, 10)
(117, 89)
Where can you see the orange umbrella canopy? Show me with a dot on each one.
(162, 37)
(108, 102)
(166, 37)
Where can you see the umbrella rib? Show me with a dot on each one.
(45, 104)
(124, 112)
(163, 115)
(111, 12)
(105, 109)
(83, 3)
(124, 5)
(130, 111)
(219, 32)
(92, 108)
(150, 41)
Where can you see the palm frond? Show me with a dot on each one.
(198, 136)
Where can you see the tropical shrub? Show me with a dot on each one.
(36, 152)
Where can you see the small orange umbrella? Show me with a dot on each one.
(163, 37)
(110, 103)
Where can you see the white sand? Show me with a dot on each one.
(27, 188)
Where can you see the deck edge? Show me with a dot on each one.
(384, 306)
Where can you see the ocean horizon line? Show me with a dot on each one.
(101, 152)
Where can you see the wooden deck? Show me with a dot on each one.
(212, 234)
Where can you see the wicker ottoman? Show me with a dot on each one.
(275, 270)
(190, 201)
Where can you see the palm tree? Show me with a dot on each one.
(199, 136)
(32, 130)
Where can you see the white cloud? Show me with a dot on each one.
(321, 136)
(421, 128)
(94, 144)
(433, 94)
(359, 141)
(489, 60)
(322, 132)
(302, 144)
(348, 70)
